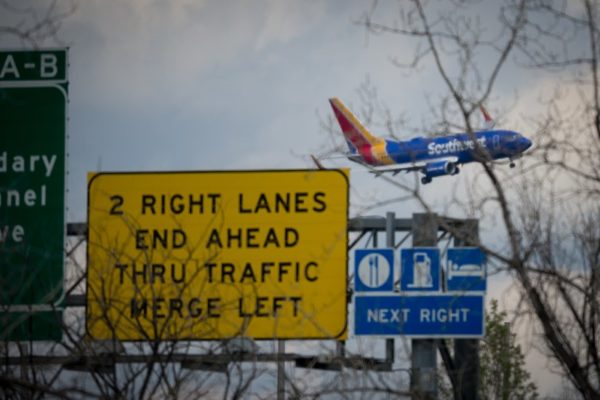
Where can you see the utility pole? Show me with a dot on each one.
(466, 351)
(280, 370)
(423, 378)
(390, 229)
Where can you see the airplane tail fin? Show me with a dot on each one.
(359, 139)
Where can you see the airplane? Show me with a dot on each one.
(433, 157)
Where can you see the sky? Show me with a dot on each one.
(236, 85)
(211, 86)
(208, 85)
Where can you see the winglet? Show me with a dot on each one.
(317, 162)
(489, 122)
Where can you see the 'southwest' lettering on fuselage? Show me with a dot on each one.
(453, 146)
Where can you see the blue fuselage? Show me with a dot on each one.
(461, 148)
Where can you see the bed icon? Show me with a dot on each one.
(465, 269)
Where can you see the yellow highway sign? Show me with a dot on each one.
(215, 255)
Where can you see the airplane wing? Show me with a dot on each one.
(346, 156)
(397, 170)
(420, 166)
(377, 172)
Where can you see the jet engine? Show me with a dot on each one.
(438, 168)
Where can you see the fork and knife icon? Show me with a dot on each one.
(373, 271)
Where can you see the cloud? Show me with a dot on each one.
(286, 20)
(134, 52)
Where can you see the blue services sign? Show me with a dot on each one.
(374, 270)
(420, 316)
(465, 269)
(420, 269)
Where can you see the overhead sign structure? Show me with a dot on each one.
(374, 270)
(465, 269)
(215, 255)
(420, 269)
(420, 316)
(33, 98)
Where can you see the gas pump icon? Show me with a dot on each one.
(421, 271)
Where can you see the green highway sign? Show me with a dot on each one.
(33, 66)
(32, 181)
(29, 326)
(33, 98)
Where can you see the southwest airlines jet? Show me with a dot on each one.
(433, 157)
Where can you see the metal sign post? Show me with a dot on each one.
(423, 378)
(466, 351)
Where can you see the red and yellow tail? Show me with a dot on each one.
(357, 135)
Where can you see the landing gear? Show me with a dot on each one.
(425, 180)
(512, 164)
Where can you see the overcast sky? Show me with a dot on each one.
(210, 85)
(213, 85)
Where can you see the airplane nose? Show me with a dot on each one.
(526, 143)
